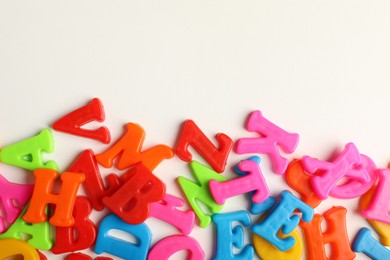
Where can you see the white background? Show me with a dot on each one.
(318, 68)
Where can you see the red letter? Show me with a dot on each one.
(192, 135)
(72, 122)
(66, 241)
(131, 202)
(94, 186)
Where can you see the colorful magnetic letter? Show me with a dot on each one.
(272, 138)
(39, 234)
(379, 207)
(66, 240)
(354, 187)
(280, 218)
(64, 200)
(266, 251)
(381, 228)
(332, 172)
(27, 154)
(128, 149)
(256, 208)
(72, 122)
(11, 192)
(166, 210)
(166, 247)
(335, 235)
(299, 180)
(131, 202)
(252, 181)
(229, 237)
(118, 247)
(12, 247)
(365, 243)
(199, 191)
(192, 135)
(93, 184)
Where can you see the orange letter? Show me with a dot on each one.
(336, 235)
(64, 200)
(128, 148)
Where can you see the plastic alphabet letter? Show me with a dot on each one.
(27, 154)
(229, 237)
(365, 243)
(299, 180)
(64, 200)
(272, 138)
(118, 247)
(85, 229)
(256, 208)
(131, 202)
(11, 192)
(93, 184)
(252, 181)
(199, 191)
(72, 122)
(192, 135)
(11, 247)
(353, 187)
(335, 235)
(166, 210)
(128, 149)
(39, 233)
(166, 247)
(379, 207)
(280, 218)
(332, 172)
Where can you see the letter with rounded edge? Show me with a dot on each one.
(27, 154)
(119, 247)
(167, 246)
(11, 247)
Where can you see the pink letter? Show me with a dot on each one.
(10, 192)
(380, 203)
(166, 247)
(253, 181)
(166, 211)
(332, 172)
(272, 136)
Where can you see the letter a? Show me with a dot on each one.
(11, 192)
(27, 154)
(93, 184)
